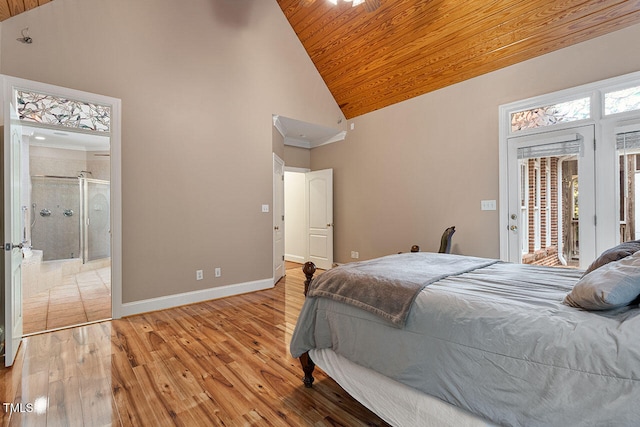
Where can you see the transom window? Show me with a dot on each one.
(549, 115)
(52, 110)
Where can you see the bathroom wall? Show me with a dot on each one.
(55, 202)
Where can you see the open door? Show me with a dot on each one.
(548, 223)
(319, 209)
(14, 232)
(278, 218)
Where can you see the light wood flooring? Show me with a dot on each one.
(83, 297)
(221, 362)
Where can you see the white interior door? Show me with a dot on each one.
(319, 209)
(14, 235)
(278, 218)
(546, 173)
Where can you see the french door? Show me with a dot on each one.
(551, 198)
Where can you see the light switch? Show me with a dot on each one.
(488, 205)
(265, 208)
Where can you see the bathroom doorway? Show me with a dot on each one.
(67, 271)
(49, 112)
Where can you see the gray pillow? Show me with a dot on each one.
(614, 254)
(615, 284)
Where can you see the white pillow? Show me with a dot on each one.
(615, 284)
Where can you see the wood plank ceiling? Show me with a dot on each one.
(406, 48)
(9, 8)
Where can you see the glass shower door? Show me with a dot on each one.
(97, 229)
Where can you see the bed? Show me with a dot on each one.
(474, 341)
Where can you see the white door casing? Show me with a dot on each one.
(11, 177)
(319, 214)
(278, 218)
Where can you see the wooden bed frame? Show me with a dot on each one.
(309, 269)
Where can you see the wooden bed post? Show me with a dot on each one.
(308, 366)
(309, 269)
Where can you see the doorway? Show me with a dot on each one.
(551, 205)
(308, 207)
(51, 108)
(588, 136)
(66, 278)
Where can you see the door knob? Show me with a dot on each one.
(11, 246)
(329, 225)
(276, 228)
(513, 228)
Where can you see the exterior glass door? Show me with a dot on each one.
(551, 198)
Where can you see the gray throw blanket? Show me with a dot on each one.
(388, 286)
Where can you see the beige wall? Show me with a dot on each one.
(410, 170)
(199, 81)
(297, 157)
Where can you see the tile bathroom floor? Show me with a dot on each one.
(83, 297)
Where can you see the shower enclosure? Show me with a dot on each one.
(70, 217)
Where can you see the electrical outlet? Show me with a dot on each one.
(199, 275)
(218, 272)
(355, 255)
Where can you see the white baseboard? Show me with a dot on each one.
(294, 258)
(162, 303)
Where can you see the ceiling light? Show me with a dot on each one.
(370, 5)
(40, 138)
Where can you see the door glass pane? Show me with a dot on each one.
(550, 210)
(98, 222)
(628, 149)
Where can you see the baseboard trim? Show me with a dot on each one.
(170, 301)
(294, 258)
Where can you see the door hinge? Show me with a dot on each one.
(595, 220)
(283, 257)
(594, 144)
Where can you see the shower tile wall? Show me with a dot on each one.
(59, 239)
(57, 234)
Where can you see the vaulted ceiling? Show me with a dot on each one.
(406, 48)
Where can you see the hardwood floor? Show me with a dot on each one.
(221, 362)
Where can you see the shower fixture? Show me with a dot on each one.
(25, 36)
